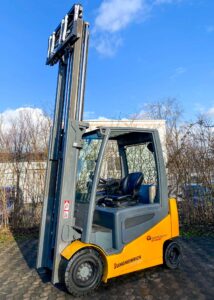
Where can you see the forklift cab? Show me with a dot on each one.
(122, 212)
(121, 186)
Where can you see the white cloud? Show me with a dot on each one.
(100, 118)
(107, 44)
(11, 116)
(210, 112)
(158, 2)
(199, 108)
(178, 72)
(113, 16)
(88, 115)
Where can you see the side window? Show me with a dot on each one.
(86, 167)
(141, 158)
(111, 167)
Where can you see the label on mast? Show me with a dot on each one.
(66, 209)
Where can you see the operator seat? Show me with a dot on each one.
(129, 188)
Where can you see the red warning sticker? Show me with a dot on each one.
(66, 209)
(65, 214)
(66, 204)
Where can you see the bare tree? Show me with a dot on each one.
(24, 143)
(190, 158)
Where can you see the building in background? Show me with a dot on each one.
(28, 173)
(160, 125)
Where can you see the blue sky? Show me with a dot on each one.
(140, 51)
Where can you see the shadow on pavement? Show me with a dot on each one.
(27, 242)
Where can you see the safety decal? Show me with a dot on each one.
(66, 209)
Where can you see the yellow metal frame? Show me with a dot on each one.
(144, 252)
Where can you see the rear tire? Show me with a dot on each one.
(172, 255)
(84, 272)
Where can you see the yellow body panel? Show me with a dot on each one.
(174, 215)
(145, 251)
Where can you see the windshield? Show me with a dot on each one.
(86, 166)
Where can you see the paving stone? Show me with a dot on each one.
(194, 280)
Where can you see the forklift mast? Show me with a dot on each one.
(68, 47)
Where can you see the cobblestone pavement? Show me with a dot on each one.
(194, 279)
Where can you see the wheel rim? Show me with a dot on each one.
(85, 273)
(174, 255)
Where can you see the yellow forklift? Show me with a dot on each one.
(106, 210)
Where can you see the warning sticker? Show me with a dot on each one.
(65, 214)
(66, 205)
(66, 209)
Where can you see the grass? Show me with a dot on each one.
(199, 230)
(7, 235)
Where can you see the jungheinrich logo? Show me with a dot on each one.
(155, 238)
(128, 261)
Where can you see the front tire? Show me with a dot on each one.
(83, 273)
(172, 255)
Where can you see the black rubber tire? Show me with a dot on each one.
(88, 261)
(172, 255)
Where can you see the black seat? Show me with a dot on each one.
(129, 188)
(130, 184)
